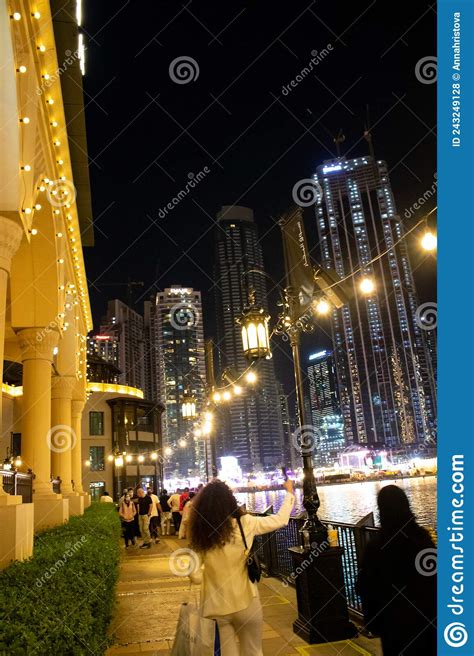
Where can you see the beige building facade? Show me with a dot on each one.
(45, 220)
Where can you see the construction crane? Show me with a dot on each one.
(130, 284)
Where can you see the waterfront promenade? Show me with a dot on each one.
(149, 596)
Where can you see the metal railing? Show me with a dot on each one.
(276, 560)
(18, 483)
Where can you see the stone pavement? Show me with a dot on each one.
(149, 596)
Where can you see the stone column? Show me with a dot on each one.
(10, 238)
(63, 437)
(77, 406)
(37, 345)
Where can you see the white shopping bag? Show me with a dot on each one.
(195, 635)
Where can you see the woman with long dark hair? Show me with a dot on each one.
(397, 580)
(227, 594)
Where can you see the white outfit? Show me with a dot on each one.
(154, 509)
(227, 593)
(173, 502)
(183, 527)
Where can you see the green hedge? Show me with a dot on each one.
(61, 601)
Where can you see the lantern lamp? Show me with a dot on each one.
(188, 407)
(254, 330)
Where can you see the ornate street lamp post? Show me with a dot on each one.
(256, 345)
(318, 621)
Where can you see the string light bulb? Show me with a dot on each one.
(367, 286)
(429, 241)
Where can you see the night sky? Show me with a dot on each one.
(146, 133)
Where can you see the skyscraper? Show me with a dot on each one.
(125, 328)
(325, 407)
(251, 426)
(176, 337)
(382, 361)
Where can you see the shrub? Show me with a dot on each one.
(61, 600)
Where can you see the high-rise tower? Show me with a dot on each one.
(251, 426)
(176, 339)
(384, 372)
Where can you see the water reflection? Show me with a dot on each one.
(349, 502)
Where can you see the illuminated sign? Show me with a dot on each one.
(316, 356)
(330, 169)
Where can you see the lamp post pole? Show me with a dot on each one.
(314, 533)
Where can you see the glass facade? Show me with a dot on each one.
(383, 362)
(250, 428)
(96, 423)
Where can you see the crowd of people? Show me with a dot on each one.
(148, 516)
(398, 597)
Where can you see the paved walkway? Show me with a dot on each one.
(149, 596)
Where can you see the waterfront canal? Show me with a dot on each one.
(349, 502)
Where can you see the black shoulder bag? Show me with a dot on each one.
(253, 565)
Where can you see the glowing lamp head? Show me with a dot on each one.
(154, 456)
(429, 241)
(367, 286)
(168, 451)
(322, 306)
(226, 396)
(182, 443)
(188, 407)
(141, 458)
(119, 461)
(216, 397)
(254, 330)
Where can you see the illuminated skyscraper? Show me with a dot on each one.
(125, 329)
(325, 407)
(383, 365)
(176, 337)
(251, 429)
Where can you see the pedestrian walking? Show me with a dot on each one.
(154, 516)
(397, 580)
(144, 513)
(183, 528)
(174, 504)
(165, 513)
(217, 527)
(127, 512)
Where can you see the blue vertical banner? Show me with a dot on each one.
(456, 327)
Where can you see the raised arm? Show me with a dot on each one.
(261, 525)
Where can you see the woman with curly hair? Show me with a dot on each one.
(227, 594)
